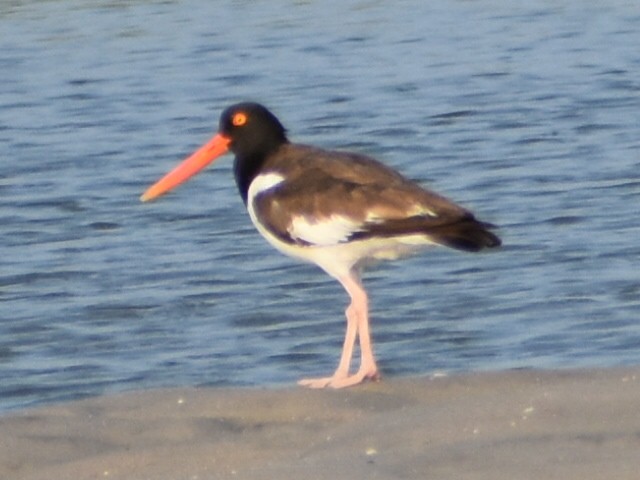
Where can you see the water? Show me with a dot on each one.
(528, 114)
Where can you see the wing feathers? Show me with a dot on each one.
(465, 233)
(340, 198)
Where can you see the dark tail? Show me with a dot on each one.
(468, 234)
(462, 233)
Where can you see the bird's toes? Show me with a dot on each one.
(315, 382)
(342, 381)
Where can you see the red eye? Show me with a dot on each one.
(239, 119)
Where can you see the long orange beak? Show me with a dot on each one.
(202, 157)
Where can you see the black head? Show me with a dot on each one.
(247, 129)
(253, 130)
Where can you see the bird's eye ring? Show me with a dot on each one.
(239, 119)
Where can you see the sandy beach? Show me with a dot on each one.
(582, 424)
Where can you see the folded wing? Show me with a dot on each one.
(336, 202)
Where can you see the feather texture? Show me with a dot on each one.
(311, 197)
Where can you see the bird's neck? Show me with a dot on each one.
(246, 167)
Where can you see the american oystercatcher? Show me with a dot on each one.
(336, 209)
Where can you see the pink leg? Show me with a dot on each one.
(357, 326)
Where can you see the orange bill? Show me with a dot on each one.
(202, 157)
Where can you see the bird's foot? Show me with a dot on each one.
(341, 380)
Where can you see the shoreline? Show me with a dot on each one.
(573, 424)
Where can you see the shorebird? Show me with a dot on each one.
(336, 209)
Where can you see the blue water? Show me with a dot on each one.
(527, 113)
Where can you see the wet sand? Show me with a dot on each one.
(566, 425)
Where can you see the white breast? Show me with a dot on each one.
(261, 184)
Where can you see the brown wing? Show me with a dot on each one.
(334, 197)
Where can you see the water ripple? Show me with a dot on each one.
(536, 132)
